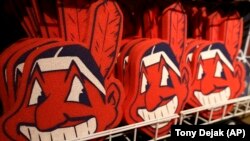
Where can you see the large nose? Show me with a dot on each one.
(49, 115)
(207, 84)
(153, 97)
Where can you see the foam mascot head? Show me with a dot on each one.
(216, 77)
(158, 89)
(64, 97)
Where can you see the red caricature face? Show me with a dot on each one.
(161, 92)
(65, 99)
(215, 79)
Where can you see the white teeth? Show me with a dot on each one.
(196, 93)
(58, 135)
(217, 98)
(160, 112)
(163, 110)
(151, 115)
(227, 93)
(213, 98)
(45, 136)
(91, 125)
(205, 99)
(64, 134)
(146, 115)
(34, 134)
(81, 130)
(140, 112)
(175, 101)
(172, 105)
(67, 133)
(25, 131)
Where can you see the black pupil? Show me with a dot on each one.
(83, 98)
(203, 75)
(147, 87)
(223, 74)
(169, 82)
(41, 98)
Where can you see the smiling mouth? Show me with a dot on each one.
(66, 133)
(160, 112)
(213, 98)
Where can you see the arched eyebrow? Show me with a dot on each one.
(71, 73)
(209, 54)
(63, 63)
(155, 58)
(37, 75)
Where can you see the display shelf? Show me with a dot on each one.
(192, 116)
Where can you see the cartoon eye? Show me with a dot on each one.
(200, 72)
(37, 95)
(219, 72)
(144, 85)
(189, 57)
(165, 79)
(78, 92)
(125, 63)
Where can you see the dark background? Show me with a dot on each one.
(11, 30)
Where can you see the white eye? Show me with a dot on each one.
(36, 93)
(125, 62)
(200, 72)
(218, 70)
(144, 83)
(189, 57)
(165, 77)
(76, 90)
